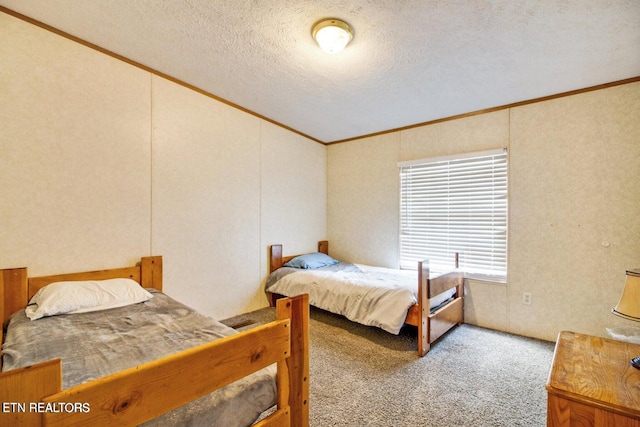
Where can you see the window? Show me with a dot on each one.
(455, 204)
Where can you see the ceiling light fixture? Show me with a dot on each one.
(332, 35)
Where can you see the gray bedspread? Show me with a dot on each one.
(92, 345)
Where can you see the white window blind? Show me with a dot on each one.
(455, 204)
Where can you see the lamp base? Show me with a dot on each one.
(625, 333)
(635, 362)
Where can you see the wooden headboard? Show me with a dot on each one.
(16, 288)
(277, 260)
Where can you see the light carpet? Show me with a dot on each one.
(363, 376)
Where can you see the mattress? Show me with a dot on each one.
(372, 296)
(96, 344)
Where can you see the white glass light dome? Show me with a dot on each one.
(332, 35)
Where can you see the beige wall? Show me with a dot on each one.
(103, 162)
(574, 205)
(363, 194)
(575, 209)
(74, 144)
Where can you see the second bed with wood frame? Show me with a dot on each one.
(136, 395)
(430, 325)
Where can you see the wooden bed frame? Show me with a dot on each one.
(136, 395)
(431, 326)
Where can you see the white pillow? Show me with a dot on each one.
(84, 296)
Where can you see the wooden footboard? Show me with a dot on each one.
(33, 395)
(432, 326)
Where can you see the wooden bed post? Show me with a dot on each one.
(151, 272)
(297, 364)
(323, 247)
(26, 386)
(275, 258)
(13, 291)
(275, 262)
(423, 308)
(13, 294)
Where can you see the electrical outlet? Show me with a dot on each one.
(526, 298)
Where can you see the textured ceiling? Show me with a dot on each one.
(410, 62)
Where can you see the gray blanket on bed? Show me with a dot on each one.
(92, 345)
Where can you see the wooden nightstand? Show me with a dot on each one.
(592, 383)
